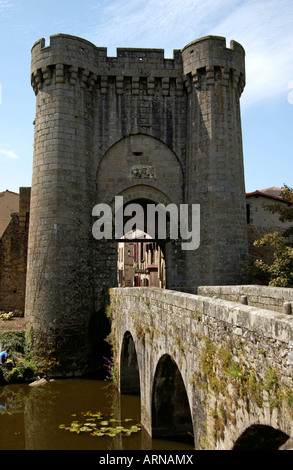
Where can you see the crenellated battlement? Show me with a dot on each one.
(212, 51)
(80, 51)
(208, 76)
(207, 61)
(202, 63)
(68, 59)
(72, 75)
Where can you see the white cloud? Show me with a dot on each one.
(8, 155)
(4, 5)
(166, 24)
(263, 27)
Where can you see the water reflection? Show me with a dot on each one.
(30, 417)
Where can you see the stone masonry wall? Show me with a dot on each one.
(236, 361)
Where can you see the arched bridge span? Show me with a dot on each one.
(210, 370)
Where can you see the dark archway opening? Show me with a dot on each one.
(171, 416)
(141, 257)
(129, 371)
(260, 437)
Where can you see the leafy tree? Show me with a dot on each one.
(280, 272)
(286, 212)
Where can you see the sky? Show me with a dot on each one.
(263, 27)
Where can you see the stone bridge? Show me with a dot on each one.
(215, 371)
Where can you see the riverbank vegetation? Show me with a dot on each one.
(19, 367)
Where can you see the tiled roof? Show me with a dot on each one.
(7, 191)
(273, 193)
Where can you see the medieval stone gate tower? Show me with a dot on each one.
(144, 127)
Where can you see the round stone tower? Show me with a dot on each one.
(59, 296)
(215, 78)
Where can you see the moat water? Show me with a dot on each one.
(74, 414)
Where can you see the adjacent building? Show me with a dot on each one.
(141, 262)
(13, 250)
(9, 202)
(261, 221)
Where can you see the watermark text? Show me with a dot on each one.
(160, 222)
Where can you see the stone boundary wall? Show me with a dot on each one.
(278, 299)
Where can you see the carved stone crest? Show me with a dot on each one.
(142, 172)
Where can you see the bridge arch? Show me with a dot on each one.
(260, 437)
(129, 370)
(171, 414)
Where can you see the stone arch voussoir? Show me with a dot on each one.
(114, 140)
(139, 160)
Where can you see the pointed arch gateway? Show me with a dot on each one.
(171, 415)
(142, 170)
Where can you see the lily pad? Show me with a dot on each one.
(97, 426)
(85, 429)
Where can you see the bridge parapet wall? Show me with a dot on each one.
(264, 297)
(236, 361)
